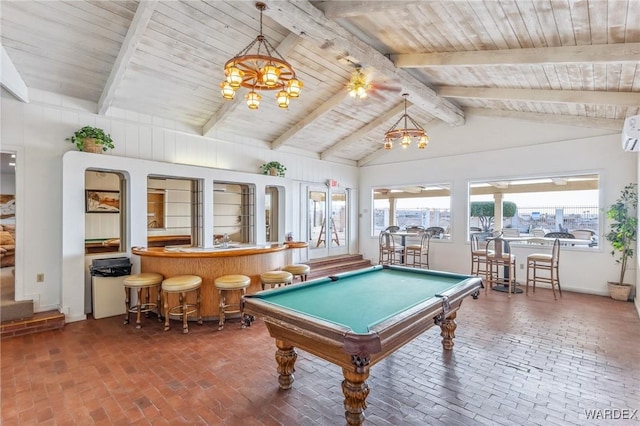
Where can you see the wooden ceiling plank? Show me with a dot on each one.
(567, 120)
(134, 34)
(303, 18)
(631, 99)
(363, 131)
(285, 47)
(346, 9)
(308, 119)
(599, 54)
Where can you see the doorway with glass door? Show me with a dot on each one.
(327, 214)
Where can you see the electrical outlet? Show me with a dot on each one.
(40, 278)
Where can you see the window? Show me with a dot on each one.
(234, 211)
(105, 211)
(409, 206)
(537, 206)
(273, 211)
(173, 211)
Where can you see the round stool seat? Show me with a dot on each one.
(145, 279)
(297, 269)
(181, 283)
(276, 277)
(229, 283)
(139, 283)
(232, 282)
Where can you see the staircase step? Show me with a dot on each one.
(41, 321)
(11, 310)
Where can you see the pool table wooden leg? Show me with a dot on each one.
(286, 358)
(355, 390)
(448, 328)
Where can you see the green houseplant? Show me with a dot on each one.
(623, 233)
(91, 139)
(273, 168)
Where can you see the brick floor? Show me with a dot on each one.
(523, 361)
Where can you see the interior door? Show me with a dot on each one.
(327, 218)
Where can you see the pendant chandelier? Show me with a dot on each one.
(407, 134)
(265, 69)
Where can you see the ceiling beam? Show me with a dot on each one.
(302, 18)
(308, 119)
(630, 99)
(363, 131)
(10, 78)
(129, 45)
(566, 120)
(285, 47)
(592, 54)
(345, 9)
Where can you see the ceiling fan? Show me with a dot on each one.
(361, 83)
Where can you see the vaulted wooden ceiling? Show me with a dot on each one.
(553, 61)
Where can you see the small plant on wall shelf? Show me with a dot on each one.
(91, 139)
(273, 168)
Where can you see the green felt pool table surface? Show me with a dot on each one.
(363, 299)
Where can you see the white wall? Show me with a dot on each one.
(483, 149)
(51, 242)
(581, 270)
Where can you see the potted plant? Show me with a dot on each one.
(91, 139)
(623, 233)
(273, 168)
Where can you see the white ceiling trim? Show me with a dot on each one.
(303, 18)
(630, 99)
(127, 50)
(10, 78)
(596, 54)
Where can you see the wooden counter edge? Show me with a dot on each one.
(159, 252)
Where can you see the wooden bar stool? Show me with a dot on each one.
(181, 284)
(301, 270)
(275, 278)
(228, 283)
(139, 282)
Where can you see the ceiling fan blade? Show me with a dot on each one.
(387, 87)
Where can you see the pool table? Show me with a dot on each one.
(356, 319)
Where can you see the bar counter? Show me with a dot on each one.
(210, 263)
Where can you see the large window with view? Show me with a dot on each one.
(425, 206)
(542, 207)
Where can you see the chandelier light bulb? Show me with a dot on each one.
(270, 75)
(294, 86)
(227, 91)
(283, 99)
(423, 141)
(253, 100)
(406, 141)
(388, 145)
(234, 76)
